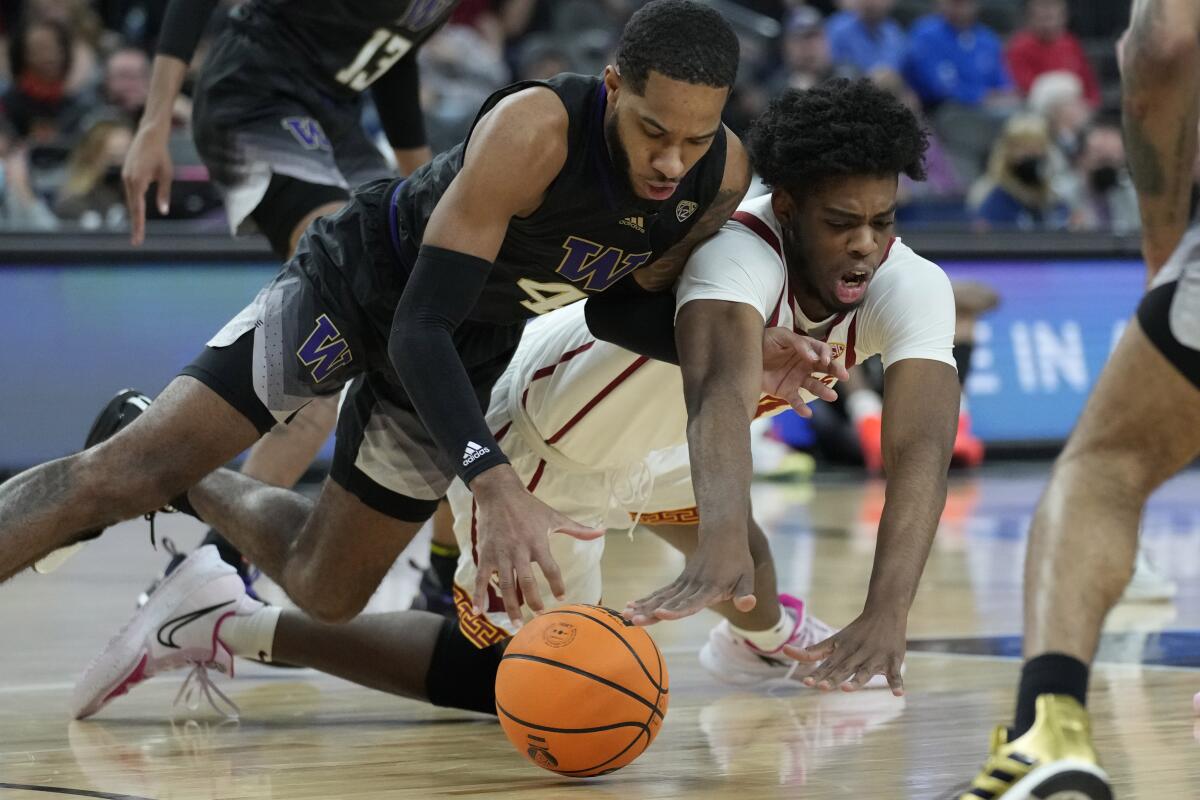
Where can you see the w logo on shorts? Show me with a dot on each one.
(324, 350)
(308, 132)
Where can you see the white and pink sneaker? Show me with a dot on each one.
(731, 659)
(178, 627)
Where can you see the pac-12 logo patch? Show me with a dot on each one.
(684, 210)
(836, 349)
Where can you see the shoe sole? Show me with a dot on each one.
(96, 434)
(125, 655)
(1063, 780)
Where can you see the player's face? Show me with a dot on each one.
(657, 136)
(835, 238)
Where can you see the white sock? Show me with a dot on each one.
(772, 638)
(252, 635)
(862, 404)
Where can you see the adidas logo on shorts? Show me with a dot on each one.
(473, 453)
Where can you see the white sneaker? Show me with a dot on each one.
(1148, 585)
(731, 659)
(179, 626)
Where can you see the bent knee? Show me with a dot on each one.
(110, 482)
(328, 598)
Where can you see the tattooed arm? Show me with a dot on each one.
(1160, 73)
(641, 316)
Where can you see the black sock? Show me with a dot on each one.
(229, 554)
(1052, 673)
(443, 560)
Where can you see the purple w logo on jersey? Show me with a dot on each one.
(599, 266)
(307, 132)
(324, 350)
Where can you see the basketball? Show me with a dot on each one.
(581, 691)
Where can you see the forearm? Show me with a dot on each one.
(1160, 109)
(443, 288)
(718, 434)
(166, 80)
(640, 321)
(916, 495)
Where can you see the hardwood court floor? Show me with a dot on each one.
(304, 735)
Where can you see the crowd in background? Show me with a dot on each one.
(1021, 98)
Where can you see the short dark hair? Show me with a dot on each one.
(838, 128)
(679, 39)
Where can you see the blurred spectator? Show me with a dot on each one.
(1016, 192)
(126, 82)
(539, 56)
(1045, 45)
(93, 193)
(952, 57)
(866, 37)
(459, 70)
(20, 208)
(1106, 199)
(39, 103)
(806, 60)
(87, 32)
(1057, 97)
(942, 179)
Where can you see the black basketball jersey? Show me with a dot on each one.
(343, 45)
(590, 230)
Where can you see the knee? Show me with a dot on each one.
(1123, 470)
(325, 597)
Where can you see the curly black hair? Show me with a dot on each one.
(837, 128)
(679, 39)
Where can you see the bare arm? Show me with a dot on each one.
(920, 414)
(148, 160)
(1160, 66)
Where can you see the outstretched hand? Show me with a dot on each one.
(791, 362)
(711, 575)
(873, 644)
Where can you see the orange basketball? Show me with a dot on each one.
(580, 691)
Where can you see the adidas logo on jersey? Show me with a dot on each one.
(637, 223)
(473, 453)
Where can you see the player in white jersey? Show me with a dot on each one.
(1084, 538)
(602, 431)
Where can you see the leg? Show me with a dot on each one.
(184, 434)
(1084, 536)
(329, 556)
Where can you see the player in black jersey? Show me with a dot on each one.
(416, 294)
(277, 122)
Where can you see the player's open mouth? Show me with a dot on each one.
(661, 191)
(852, 285)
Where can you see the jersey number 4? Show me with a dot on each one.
(376, 57)
(545, 297)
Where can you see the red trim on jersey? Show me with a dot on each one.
(537, 476)
(498, 435)
(850, 342)
(764, 232)
(474, 534)
(888, 251)
(603, 393)
(549, 370)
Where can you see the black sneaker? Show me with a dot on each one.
(122, 410)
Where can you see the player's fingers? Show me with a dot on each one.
(836, 671)
(820, 390)
(508, 590)
(570, 527)
(135, 200)
(483, 576)
(688, 602)
(552, 574)
(743, 593)
(895, 678)
(838, 370)
(530, 592)
(164, 192)
(860, 679)
(802, 654)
